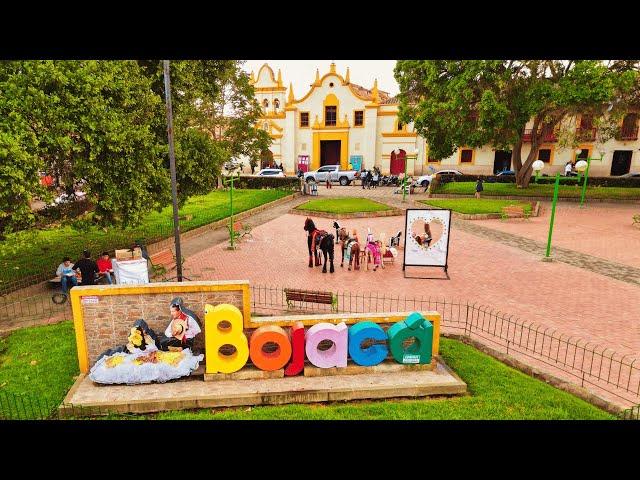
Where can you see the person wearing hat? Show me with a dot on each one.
(182, 329)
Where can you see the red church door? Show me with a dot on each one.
(396, 167)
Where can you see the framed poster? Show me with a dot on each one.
(426, 238)
(356, 162)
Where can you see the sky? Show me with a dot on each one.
(302, 73)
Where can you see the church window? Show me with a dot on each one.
(330, 114)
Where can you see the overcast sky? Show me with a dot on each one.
(302, 73)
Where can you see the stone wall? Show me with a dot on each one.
(108, 322)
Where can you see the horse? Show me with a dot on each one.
(374, 252)
(319, 239)
(350, 248)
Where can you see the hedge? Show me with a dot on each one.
(593, 181)
(284, 183)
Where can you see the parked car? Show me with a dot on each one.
(630, 175)
(271, 172)
(505, 172)
(344, 177)
(425, 180)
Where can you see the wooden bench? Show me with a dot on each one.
(514, 211)
(162, 262)
(636, 219)
(310, 296)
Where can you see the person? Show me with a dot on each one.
(364, 177)
(427, 234)
(300, 173)
(181, 331)
(328, 179)
(376, 177)
(479, 187)
(105, 268)
(88, 268)
(67, 275)
(568, 169)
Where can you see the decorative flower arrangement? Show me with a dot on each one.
(170, 358)
(114, 361)
(135, 338)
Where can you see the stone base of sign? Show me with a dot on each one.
(388, 366)
(86, 397)
(247, 373)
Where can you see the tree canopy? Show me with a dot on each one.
(458, 103)
(102, 124)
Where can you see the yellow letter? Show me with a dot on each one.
(216, 337)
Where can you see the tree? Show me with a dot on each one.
(89, 122)
(212, 96)
(478, 102)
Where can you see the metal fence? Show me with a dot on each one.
(599, 369)
(586, 363)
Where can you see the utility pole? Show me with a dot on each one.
(172, 167)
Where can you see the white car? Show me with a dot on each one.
(271, 172)
(425, 180)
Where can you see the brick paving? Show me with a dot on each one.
(575, 300)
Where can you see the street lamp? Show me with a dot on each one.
(537, 166)
(584, 165)
(230, 167)
(404, 180)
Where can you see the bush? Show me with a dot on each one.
(545, 180)
(283, 183)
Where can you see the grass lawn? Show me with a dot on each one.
(343, 205)
(496, 391)
(474, 205)
(534, 190)
(27, 253)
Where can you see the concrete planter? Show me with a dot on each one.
(535, 212)
(549, 199)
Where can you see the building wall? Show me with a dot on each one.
(379, 136)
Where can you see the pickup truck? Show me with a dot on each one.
(344, 177)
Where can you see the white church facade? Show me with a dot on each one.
(339, 122)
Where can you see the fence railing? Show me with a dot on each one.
(587, 363)
(597, 368)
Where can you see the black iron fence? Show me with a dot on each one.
(597, 368)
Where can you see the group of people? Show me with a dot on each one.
(85, 270)
(370, 178)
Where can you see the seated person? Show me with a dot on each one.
(67, 275)
(105, 268)
(181, 330)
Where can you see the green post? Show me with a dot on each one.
(553, 213)
(404, 180)
(231, 217)
(537, 175)
(584, 182)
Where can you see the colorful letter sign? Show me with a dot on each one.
(336, 356)
(216, 337)
(372, 355)
(272, 360)
(415, 326)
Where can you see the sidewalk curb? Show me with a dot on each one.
(338, 216)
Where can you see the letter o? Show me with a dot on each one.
(269, 361)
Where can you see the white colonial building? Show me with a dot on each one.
(339, 122)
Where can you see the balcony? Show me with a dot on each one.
(628, 132)
(548, 136)
(586, 134)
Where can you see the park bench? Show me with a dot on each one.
(514, 211)
(241, 230)
(310, 296)
(162, 262)
(636, 219)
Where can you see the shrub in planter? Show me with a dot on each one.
(283, 183)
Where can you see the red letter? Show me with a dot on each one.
(297, 357)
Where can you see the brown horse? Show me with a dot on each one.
(350, 248)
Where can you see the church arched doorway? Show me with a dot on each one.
(396, 166)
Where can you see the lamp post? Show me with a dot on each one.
(586, 175)
(231, 167)
(404, 180)
(172, 168)
(537, 166)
